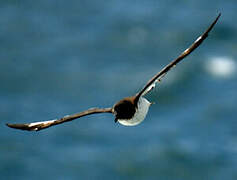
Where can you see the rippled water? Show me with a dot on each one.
(61, 57)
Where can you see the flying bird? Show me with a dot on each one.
(129, 111)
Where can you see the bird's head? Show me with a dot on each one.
(125, 108)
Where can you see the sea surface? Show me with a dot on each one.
(62, 57)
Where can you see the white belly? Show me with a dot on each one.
(139, 116)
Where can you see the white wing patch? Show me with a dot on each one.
(149, 88)
(41, 123)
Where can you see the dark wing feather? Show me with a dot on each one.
(151, 83)
(37, 126)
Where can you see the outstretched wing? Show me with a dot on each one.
(151, 83)
(37, 126)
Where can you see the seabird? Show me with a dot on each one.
(129, 111)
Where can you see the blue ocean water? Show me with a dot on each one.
(62, 57)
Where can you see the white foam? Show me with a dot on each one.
(221, 66)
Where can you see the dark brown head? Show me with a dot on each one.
(125, 108)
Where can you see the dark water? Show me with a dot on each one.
(62, 57)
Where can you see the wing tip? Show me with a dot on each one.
(212, 25)
(10, 125)
(218, 16)
(22, 127)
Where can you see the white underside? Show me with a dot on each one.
(139, 116)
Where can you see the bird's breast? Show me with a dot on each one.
(139, 115)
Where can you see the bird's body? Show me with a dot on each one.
(129, 111)
(134, 115)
